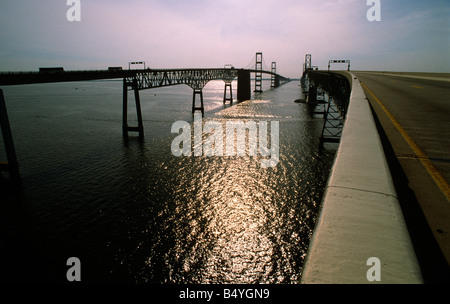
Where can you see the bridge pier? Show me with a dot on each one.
(338, 89)
(277, 81)
(125, 127)
(312, 94)
(225, 99)
(194, 107)
(12, 165)
(243, 86)
(320, 105)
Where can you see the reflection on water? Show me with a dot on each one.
(133, 212)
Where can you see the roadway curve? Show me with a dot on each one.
(414, 112)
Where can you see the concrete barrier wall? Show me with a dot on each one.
(360, 217)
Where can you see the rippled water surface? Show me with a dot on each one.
(133, 212)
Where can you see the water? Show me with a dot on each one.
(134, 213)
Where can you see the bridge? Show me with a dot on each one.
(389, 185)
(141, 79)
(146, 78)
(387, 195)
(135, 80)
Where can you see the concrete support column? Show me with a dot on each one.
(194, 106)
(225, 98)
(12, 165)
(277, 81)
(125, 127)
(312, 95)
(125, 109)
(243, 86)
(140, 128)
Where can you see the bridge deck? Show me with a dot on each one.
(414, 111)
(17, 78)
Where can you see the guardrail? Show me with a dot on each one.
(360, 235)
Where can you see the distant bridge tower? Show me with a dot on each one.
(273, 83)
(307, 62)
(258, 74)
(304, 81)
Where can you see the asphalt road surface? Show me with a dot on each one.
(414, 113)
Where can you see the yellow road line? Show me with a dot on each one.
(426, 162)
(417, 87)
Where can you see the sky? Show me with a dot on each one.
(412, 36)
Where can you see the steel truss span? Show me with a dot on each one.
(195, 78)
